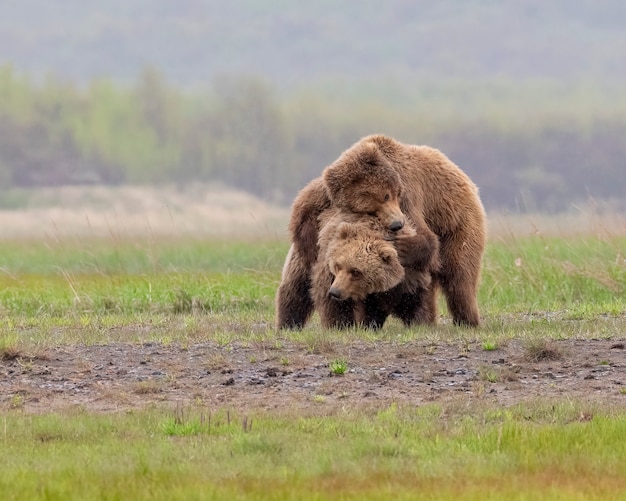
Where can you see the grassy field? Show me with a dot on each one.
(572, 276)
(79, 291)
(536, 452)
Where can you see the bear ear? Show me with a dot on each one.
(345, 230)
(369, 154)
(386, 255)
(350, 166)
(334, 180)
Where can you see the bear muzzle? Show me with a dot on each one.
(335, 293)
(396, 225)
(339, 294)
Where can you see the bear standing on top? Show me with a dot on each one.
(399, 184)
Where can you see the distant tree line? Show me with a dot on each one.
(240, 133)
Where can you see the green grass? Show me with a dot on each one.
(539, 450)
(580, 275)
(338, 366)
(85, 290)
(175, 292)
(114, 256)
(102, 276)
(535, 289)
(577, 277)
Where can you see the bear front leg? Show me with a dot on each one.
(336, 314)
(418, 250)
(294, 304)
(418, 307)
(376, 310)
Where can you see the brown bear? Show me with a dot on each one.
(398, 183)
(359, 278)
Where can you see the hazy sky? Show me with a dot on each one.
(290, 42)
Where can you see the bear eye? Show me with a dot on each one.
(387, 197)
(355, 273)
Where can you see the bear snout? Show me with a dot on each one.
(335, 293)
(396, 225)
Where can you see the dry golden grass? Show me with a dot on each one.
(583, 222)
(99, 211)
(212, 210)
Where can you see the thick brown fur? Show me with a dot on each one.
(294, 304)
(360, 277)
(397, 183)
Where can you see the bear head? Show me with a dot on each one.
(361, 262)
(363, 181)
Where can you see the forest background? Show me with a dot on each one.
(526, 96)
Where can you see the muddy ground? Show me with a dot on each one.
(291, 377)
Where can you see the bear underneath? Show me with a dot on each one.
(361, 277)
(398, 184)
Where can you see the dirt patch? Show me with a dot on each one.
(288, 376)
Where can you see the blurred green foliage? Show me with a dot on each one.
(530, 145)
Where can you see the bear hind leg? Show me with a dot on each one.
(461, 292)
(461, 255)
